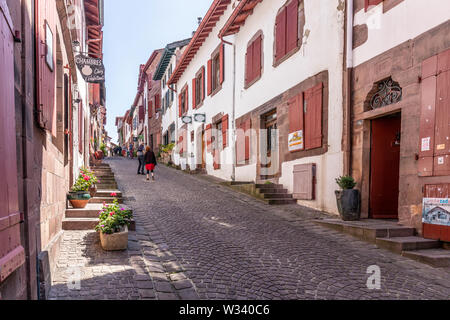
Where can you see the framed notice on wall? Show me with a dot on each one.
(296, 141)
(436, 211)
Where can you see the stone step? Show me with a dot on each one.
(104, 199)
(106, 180)
(92, 210)
(103, 172)
(439, 258)
(106, 186)
(86, 224)
(269, 186)
(107, 193)
(400, 244)
(280, 201)
(368, 230)
(277, 196)
(272, 190)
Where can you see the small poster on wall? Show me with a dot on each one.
(295, 140)
(436, 211)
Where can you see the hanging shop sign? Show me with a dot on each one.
(295, 140)
(200, 117)
(92, 69)
(436, 211)
(186, 119)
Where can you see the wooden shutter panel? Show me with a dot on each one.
(240, 143)
(203, 83)
(194, 98)
(80, 127)
(313, 117)
(141, 113)
(186, 99)
(292, 26)
(225, 131)
(304, 181)
(222, 63)
(208, 134)
(249, 65)
(12, 254)
(179, 106)
(209, 77)
(46, 82)
(216, 159)
(157, 102)
(427, 117)
(256, 69)
(296, 117)
(247, 127)
(280, 35)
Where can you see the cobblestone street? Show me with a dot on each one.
(196, 239)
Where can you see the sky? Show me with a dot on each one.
(133, 29)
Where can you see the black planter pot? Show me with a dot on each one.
(349, 204)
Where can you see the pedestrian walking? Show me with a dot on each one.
(150, 162)
(140, 155)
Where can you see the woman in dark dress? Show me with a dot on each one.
(150, 162)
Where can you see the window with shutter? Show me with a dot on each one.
(225, 131)
(12, 254)
(249, 65)
(208, 134)
(253, 60)
(209, 77)
(313, 117)
(222, 63)
(194, 93)
(286, 30)
(46, 51)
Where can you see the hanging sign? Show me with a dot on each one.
(436, 211)
(92, 69)
(296, 141)
(200, 117)
(186, 119)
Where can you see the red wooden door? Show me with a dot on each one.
(11, 252)
(385, 165)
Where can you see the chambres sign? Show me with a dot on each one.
(92, 69)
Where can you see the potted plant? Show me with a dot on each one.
(348, 199)
(113, 226)
(79, 196)
(92, 181)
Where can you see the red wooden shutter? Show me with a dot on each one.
(280, 35)
(157, 102)
(203, 83)
(208, 134)
(46, 80)
(179, 106)
(249, 64)
(240, 143)
(369, 3)
(292, 26)
(186, 99)
(222, 63)
(296, 120)
(313, 117)
(225, 131)
(194, 98)
(209, 77)
(141, 113)
(150, 109)
(12, 254)
(256, 69)
(80, 127)
(427, 117)
(247, 127)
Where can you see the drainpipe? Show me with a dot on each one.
(233, 113)
(348, 87)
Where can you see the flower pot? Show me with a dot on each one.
(349, 204)
(79, 200)
(93, 190)
(115, 242)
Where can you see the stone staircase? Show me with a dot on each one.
(87, 218)
(388, 234)
(273, 194)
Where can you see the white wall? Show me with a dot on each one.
(321, 51)
(222, 101)
(406, 21)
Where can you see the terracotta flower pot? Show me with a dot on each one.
(115, 242)
(79, 200)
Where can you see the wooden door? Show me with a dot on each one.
(385, 165)
(203, 150)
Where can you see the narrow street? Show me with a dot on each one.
(196, 239)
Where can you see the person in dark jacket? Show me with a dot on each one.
(140, 155)
(150, 162)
